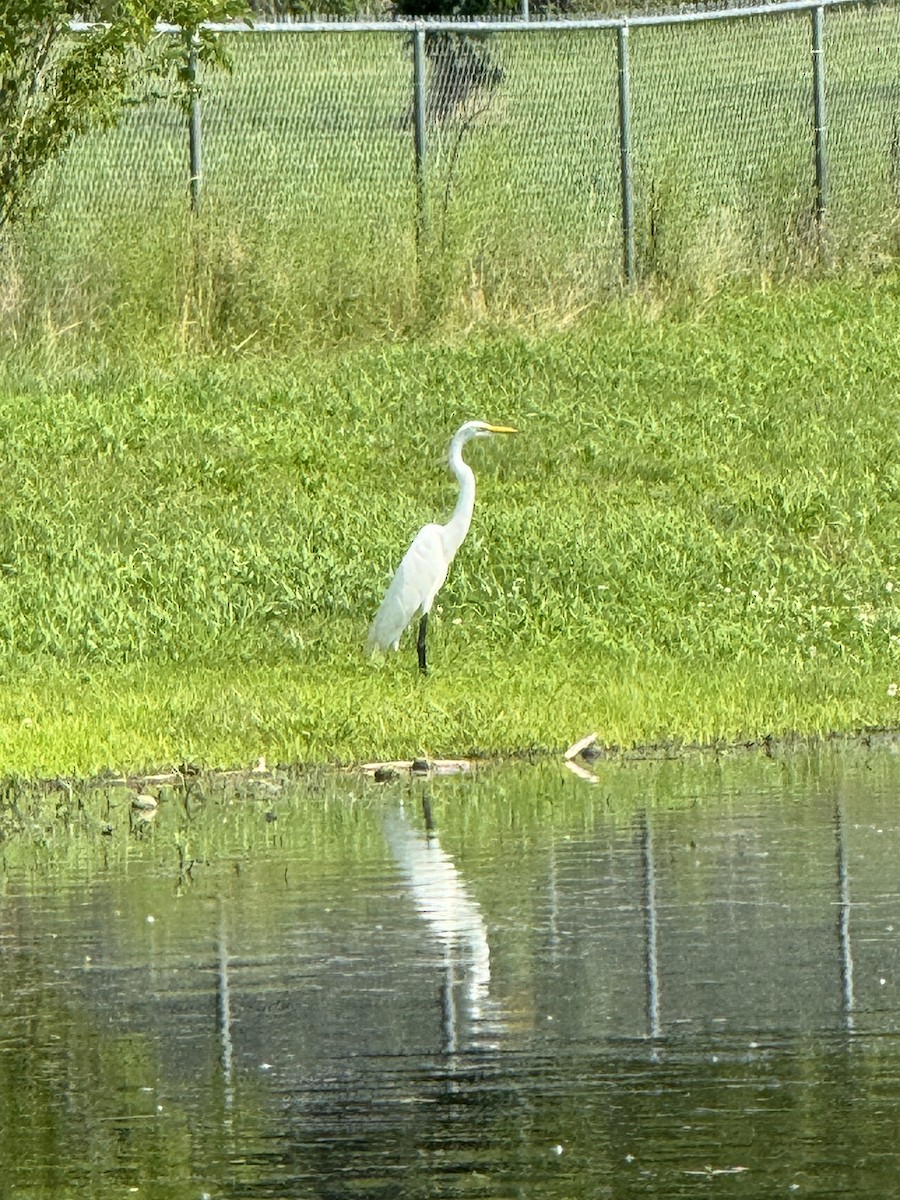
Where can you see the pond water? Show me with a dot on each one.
(682, 980)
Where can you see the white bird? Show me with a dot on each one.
(426, 563)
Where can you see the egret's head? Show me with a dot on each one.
(473, 429)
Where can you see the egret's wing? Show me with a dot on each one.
(413, 588)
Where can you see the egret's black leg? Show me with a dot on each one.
(420, 644)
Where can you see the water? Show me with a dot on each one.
(684, 980)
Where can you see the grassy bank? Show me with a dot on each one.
(693, 537)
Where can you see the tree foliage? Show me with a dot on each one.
(280, 10)
(57, 83)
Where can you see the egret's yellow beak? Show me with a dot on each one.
(502, 429)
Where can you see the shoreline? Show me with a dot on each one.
(876, 738)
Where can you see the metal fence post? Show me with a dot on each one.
(194, 140)
(625, 154)
(819, 122)
(419, 127)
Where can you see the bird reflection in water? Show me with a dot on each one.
(456, 924)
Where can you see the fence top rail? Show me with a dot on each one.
(518, 24)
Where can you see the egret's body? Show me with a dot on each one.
(425, 565)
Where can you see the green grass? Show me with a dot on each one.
(694, 537)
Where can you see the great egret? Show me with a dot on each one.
(426, 563)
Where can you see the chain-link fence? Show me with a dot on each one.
(523, 166)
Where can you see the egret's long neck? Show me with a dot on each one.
(458, 525)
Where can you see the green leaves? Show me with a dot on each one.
(55, 85)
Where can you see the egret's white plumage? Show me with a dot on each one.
(426, 563)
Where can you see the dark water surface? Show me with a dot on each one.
(683, 981)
